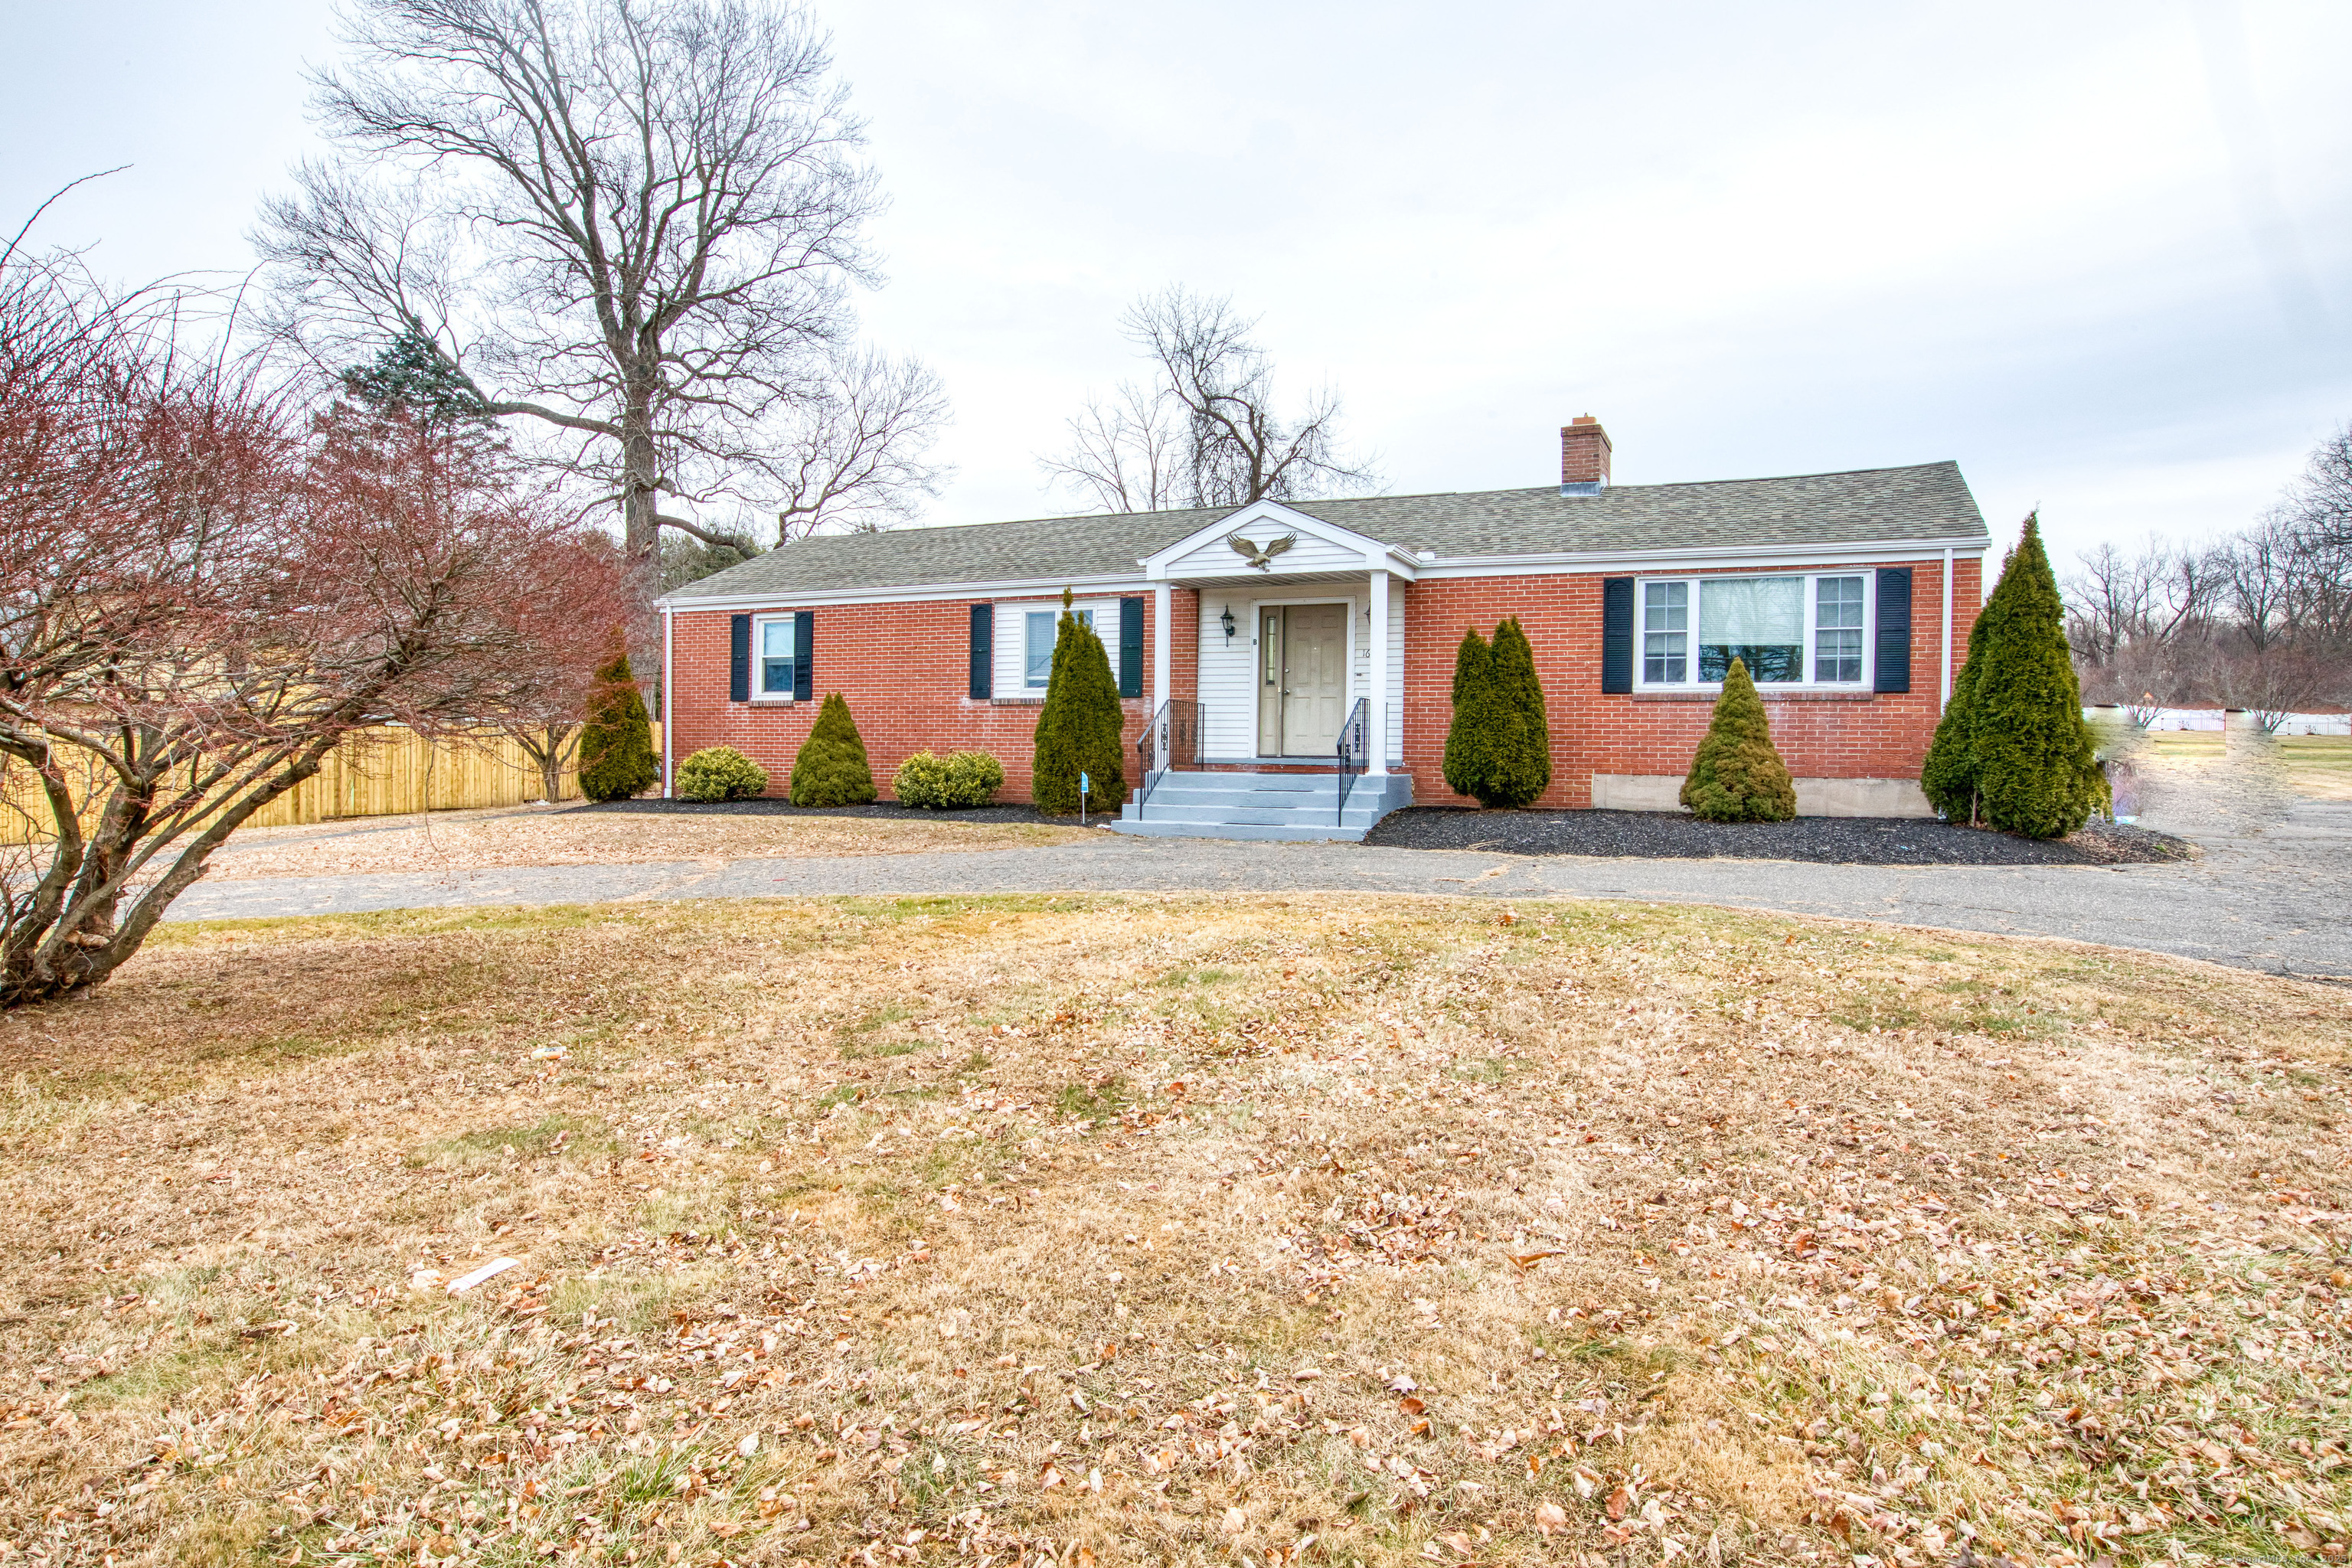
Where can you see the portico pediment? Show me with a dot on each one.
(1269, 539)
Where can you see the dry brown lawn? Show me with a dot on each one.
(536, 835)
(1119, 1229)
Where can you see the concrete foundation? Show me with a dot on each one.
(1815, 797)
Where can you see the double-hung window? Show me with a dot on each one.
(1789, 629)
(778, 653)
(1037, 634)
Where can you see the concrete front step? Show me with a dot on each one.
(1155, 828)
(1289, 806)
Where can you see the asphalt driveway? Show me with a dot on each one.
(2270, 893)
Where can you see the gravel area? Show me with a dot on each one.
(1833, 840)
(881, 810)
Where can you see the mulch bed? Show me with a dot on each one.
(886, 810)
(1839, 840)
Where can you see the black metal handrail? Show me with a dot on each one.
(1353, 743)
(1170, 740)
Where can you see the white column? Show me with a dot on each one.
(1376, 683)
(1160, 597)
(1947, 701)
(668, 679)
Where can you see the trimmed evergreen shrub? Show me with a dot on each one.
(1079, 728)
(1520, 760)
(1498, 748)
(1738, 776)
(2013, 751)
(957, 781)
(616, 745)
(1949, 776)
(1464, 763)
(720, 772)
(831, 769)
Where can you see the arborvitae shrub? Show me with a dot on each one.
(720, 772)
(1519, 762)
(831, 769)
(958, 782)
(1738, 776)
(1498, 748)
(1079, 728)
(2013, 751)
(616, 745)
(1467, 737)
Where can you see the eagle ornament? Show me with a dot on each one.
(1261, 559)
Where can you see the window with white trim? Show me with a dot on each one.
(1039, 629)
(1788, 628)
(775, 651)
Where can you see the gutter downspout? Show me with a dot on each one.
(669, 666)
(1941, 706)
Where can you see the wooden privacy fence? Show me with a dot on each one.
(379, 772)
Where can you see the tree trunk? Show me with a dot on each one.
(641, 528)
(550, 765)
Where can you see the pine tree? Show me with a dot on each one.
(2019, 748)
(1466, 739)
(1738, 776)
(616, 744)
(1080, 728)
(1520, 764)
(411, 375)
(831, 769)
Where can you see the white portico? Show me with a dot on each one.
(1298, 676)
(1297, 624)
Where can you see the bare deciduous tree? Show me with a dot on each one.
(1205, 432)
(629, 228)
(201, 596)
(1123, 452)
(2261, 621)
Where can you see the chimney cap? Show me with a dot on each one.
(1584, 419)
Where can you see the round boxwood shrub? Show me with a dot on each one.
(831, 769)
(957, 781)
(720, 772)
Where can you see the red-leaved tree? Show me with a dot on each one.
(205, 591)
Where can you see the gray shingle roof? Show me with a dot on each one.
(1875, 505)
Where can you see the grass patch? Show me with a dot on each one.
(1825, 1240)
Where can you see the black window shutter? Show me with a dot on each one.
(804, 630)
(1131, 647)
(1894, 672)
(1616, 634)
(738, 659)
(983, 652)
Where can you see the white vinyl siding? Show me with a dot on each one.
(1012, 651)
(1790, 629)
(1228, 674)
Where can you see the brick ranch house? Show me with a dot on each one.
(1254, 642)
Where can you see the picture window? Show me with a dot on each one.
(1791, 629)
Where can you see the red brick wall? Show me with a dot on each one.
(1819, 735)
(905, 668)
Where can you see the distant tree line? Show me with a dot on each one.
(2260, 620)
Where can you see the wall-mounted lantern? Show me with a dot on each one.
(1226, 621)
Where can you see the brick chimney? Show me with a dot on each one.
(1583, 457)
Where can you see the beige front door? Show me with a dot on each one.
(1302, 679)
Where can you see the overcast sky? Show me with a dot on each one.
(2100, 254)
